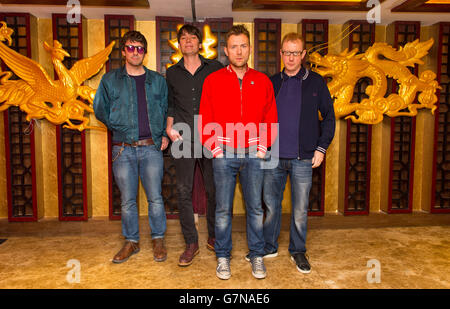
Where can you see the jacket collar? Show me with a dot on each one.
(230, 69)
(123, 73)
(302, 74)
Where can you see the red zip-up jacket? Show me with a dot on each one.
(234, 116)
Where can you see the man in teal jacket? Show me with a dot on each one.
(132, 103)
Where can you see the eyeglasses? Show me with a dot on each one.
(294, 53)
(131, 48)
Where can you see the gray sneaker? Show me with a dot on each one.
(258, 268)
(223, 270)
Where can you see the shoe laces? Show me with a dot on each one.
(224, 264)
(258, 263)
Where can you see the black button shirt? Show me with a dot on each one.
(185, 90)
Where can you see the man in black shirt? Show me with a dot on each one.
(185, 80)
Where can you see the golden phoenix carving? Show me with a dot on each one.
(208, 51)
(378, 62)
(38, 95)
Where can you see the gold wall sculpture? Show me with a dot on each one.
(38, 95)
(347, 67)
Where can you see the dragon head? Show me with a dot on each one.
(56, 51)
(327, 65)
(343, 68)
(5, 33)
(332, 65)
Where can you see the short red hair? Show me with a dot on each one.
(293, 36)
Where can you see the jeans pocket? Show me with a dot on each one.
(116, 152)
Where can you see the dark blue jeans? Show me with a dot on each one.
(145, 162)
(300, 173)
(251, 178)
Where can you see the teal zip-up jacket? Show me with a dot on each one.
(115, 104)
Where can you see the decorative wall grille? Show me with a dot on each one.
(115, 27)
(267, 45)
(315, 32)
(403, 129)
(357, 178)
(441, 164)
(19, 136)
(70, 143)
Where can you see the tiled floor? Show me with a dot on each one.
(409, 250)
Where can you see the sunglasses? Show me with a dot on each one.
(131, 48)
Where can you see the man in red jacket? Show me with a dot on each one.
(237, 123)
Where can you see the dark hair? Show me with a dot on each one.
(237, 30)
(191, 30)
(133, 36)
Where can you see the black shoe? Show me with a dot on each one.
(302, 263)
(267, 255)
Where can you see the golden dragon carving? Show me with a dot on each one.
(208, 51)
(380, 60)
(38, 95)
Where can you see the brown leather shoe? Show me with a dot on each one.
(187, 257)
(128, 249)
(159, 250)
(210, 243)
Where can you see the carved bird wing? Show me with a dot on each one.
(27, 69)
(88, 67)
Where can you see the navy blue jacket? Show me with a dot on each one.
(313, 133)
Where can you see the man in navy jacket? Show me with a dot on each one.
(303, 141)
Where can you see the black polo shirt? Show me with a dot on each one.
(185, 90)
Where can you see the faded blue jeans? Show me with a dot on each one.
(145, 162)
(251, 178)
(300, 173)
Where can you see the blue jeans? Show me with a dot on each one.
(300, 173)
(251, 178)
(147, 163)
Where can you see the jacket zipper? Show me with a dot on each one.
(298, 130)
(240, 86)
